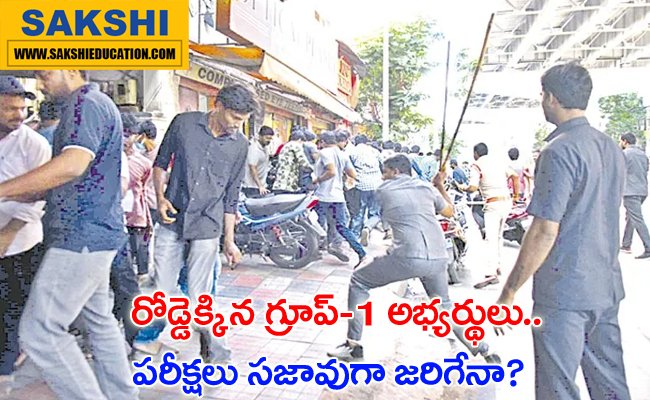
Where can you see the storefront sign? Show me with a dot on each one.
(207, 75)
(117, 34)
(291, 32)
(281, 102)
(345, 77)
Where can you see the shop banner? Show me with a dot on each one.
(148, 34)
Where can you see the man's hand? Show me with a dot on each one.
(27, 198)
(506, 299)
(233, 255)
(263, 191)
(165, 207)
(6, 238)
(439, 179)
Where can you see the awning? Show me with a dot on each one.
(260, 65)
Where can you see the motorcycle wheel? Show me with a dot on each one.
(299, 251)
(452, 268)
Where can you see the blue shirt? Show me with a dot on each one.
(579, 182)
(459, 176)
(86, 212)
(48, 133)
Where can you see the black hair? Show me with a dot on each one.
(266, 131)
(399, 162)
(570, 84)
(481, 149)
(238, 98)
(148, 128)
(49, 111)
(341, 136)
(405, 150)
(309, 135)
(429, 154)
(513, 154)
(629, 138)
(361, 139)
(388, 145)
(453, 162)
(415, 149)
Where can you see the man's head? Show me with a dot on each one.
(388, 145)
(513, 154)
(436, 154)
(480, 150)
(328, 139)
(453, 163)
(49, 113)
(397, 147)
(297, 134)
(265, 135)
(415, 149)
(566, 90)
(309, 135)
(234, 106)
(342, 137)
(361, 139)
(404, 149)
(149, 129)
(12, 104)
(627, 140)
(61, 83)
(395, 166)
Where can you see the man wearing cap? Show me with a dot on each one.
(21, 230)
(85, 227)
(291, 161)
(332, 167)
(258, 163)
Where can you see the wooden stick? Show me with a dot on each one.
(471, 88)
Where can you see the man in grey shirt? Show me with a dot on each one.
(572, 250)
(409, 205)
(634, 194)
(258, 164)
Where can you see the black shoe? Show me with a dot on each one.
(347, 352)
(338, 253)
(492, 280)
(361, 260)
(626, 249)
(645, 254)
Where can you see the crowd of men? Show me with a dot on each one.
(80, 203)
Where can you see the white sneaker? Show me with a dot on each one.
(347, 352)
(365, 235)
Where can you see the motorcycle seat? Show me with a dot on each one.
(273, 204)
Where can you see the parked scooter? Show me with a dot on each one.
(517, 223)
(278, 227)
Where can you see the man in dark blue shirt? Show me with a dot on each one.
(572, 250)
(458, 174)
(200, 202)
(84, 228)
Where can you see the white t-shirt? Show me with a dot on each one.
(490, 174)
(331, 190)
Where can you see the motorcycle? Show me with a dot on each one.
(517, 223)
(456, 248)
(279, 227)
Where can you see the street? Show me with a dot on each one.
(383, 342)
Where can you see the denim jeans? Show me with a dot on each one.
(139, 242)
(16, 276)
(69, 284)
(125, 288)
(368, 204)
(170, 256)
(389, 269)
(334, 215)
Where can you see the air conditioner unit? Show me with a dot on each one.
(126, 92)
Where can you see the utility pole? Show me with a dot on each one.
(386, 88)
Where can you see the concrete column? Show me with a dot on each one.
(160, 97)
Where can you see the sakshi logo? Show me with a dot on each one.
(96, 23)
(94, 34)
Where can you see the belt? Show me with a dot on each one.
(493, 199)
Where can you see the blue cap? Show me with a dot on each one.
(12, 86)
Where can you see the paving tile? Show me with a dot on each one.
(237, 292)
(310, 287)
(248, 280)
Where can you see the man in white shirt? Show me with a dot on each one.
(258, 164)
(490, 174)
(21, 231)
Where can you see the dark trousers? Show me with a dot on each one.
(568, 339)
(332, 217)
(125, 287)
(139, 243)
(16, 276)
(634, 221)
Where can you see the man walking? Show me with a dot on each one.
(85, 227)
(258, 163)
(634, 194)
(21, 230)
(200, 202)
(331, 169)
(490, 174)
(572, 250)
(365, 160)
(409, 205)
